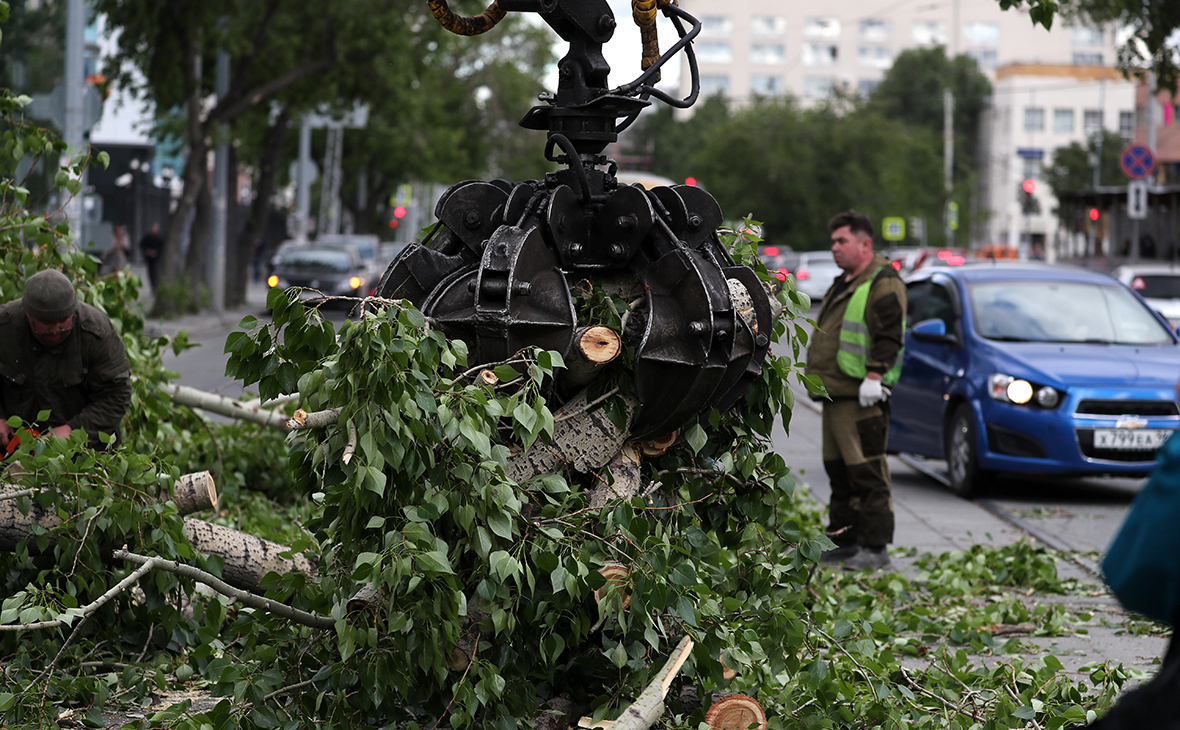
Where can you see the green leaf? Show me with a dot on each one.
(695, 435)
(433, 562)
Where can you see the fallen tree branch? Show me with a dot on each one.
(191, 493)
(186, 396)
(305, 618)
(647, 708)
(315, 419)
(86, 610)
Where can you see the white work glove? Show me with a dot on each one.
(872, 392)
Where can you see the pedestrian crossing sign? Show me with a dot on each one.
(893, 228)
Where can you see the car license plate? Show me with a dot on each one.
(1127, 439)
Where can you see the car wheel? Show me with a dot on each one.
(960, 444)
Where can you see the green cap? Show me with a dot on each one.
(49, 296)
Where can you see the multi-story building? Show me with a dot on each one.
(774, 47)
(1036, 109)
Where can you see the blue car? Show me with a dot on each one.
(1033, 369)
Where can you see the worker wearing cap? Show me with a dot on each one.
(63, 356)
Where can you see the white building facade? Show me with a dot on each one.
(774, 47)
(1036, 109)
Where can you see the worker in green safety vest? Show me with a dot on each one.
(856, 351)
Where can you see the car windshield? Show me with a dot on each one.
(320, 259)
(1157, 286)
(1063, 311)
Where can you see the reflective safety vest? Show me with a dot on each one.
(854, 337)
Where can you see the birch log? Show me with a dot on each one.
(594, 347)
(584, 438)
(621, 480)
(247, 557)
(192, 493)
(647, 708)
(186, 396)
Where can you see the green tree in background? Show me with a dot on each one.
(1072, 166)
(798, 167)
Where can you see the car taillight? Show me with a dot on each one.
(897, 265)
(944, 255)
(1138, 284)
(801, 274)
(770, 251)
(955, 260)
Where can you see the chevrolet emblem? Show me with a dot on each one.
(1130, 422)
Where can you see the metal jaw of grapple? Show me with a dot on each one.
(496, 269)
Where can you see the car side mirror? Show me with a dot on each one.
(933, 330)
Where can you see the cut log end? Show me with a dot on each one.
(618, 576)
(736, 712)
(657, 446)
(194, 493)
(599, 344)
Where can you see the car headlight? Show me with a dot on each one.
(1009, 389)
(277, 282)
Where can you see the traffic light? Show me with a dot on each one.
(1094, 214)
(1029, 205)
(399, 212)
(690, 181)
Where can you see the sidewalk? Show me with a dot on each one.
(205, 323)
(931, 519)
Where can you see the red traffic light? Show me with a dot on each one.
(690, 181)
(1094, 214)
(399, 211)
(393, 222)
(1029, 186)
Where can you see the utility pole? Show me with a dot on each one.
(215, 272)
(75, 86)
(948, 157)
(303, 190)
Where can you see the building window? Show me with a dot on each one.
(1063, 121)
(1087, 59)
(821, 28)
(981, 34)
(1030, 168)
(985, 57)
(768, 25)
(864, 87)
(1087, 37)
(929, 32)
(768, 54)
(1092, 121)
(874, 56)
(819, 54)
(767, 85)
(1034, 119)
(720, 25)
(816, 87)
(1126, 125)
(712, 84)
(714, 52)
(875, 31)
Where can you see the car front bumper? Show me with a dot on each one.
(1107, 430)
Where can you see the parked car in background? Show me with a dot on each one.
(778, 260)
(323, 270)
(1158, 284)
(938, 257)
(814, 273)
(1032, 369)
(367, 245)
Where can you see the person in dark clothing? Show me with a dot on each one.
(152, 245)
(64, 356)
